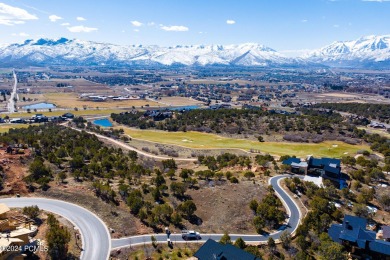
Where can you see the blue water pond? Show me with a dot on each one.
(42, 105)
(103, 122)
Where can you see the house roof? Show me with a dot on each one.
(386, 232)
(301, 164)
(291, 160)
(379, 246)
(315, 162)
(3, 208)
(334, 232)
(4, 243)
(212, 250)
(331, 169)
(354, 230)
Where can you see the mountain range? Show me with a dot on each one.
(365, 52)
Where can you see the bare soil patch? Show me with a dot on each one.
(14, 172)
(179, 101)
(226, 207)
(117, 218)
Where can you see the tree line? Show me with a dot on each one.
(244, 121)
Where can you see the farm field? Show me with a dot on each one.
(82, 112)
(71, 100)
(211, 141)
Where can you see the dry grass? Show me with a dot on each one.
(179, 101)
(226, 207)
(4, 128)
(338, 95)
(82, 112)
(71, 100)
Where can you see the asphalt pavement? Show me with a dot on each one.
(293, 221)
(96, 241)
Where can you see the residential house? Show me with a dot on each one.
(14, 232)
(328, 168)
(212, 250)
(68, 115)
(353, 233)
(296, 166)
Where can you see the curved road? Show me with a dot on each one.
(96, 241)
(293, 221)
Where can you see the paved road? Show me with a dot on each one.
(128, 147)
(293, 222)
(95, 237)
(11, 102)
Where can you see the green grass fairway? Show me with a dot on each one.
(203, 140)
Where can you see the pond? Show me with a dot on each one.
(103, 122)
(42, 105)
(192, 107)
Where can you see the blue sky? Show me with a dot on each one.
(279, 24)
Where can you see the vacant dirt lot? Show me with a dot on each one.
(226, 207)
(116, 217)
(14, 170)
(179, 101)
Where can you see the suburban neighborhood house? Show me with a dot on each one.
(212, 250)
(328, 168)
(353, 233)
(15, 230)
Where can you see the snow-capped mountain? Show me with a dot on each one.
(368, 51)
(77, 52)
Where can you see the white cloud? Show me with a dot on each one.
(151, 23)
(10, 15)
(379, 1)
(336, 26)
(136, 23)
(22, 34)
(174, 28)
(81, 28)
(230, 21)
(304, 21)
(136, 30)
(80, 18)
(65, 24)
(55, 18)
